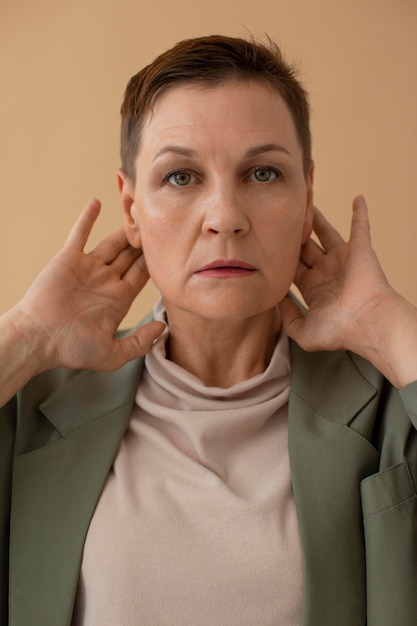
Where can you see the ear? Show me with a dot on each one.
(309, 214)
(127, 200)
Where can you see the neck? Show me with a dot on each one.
(222, 353)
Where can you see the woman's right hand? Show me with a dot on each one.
(70, 314)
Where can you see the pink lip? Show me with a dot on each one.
(226, 269)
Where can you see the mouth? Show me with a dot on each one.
(226, 269)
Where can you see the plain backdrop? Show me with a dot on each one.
(64, 67)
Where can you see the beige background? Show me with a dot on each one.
(64, 66)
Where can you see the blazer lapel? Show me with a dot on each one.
(56, 488)
(328, 460)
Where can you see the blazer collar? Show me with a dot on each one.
(322, 379)
(71, 406)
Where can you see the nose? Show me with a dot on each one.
(225, 214)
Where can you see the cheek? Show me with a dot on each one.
(284, 231)
(164, 248)
(284, 239)
(166, 227)
(153, 223)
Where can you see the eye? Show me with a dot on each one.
(264, 174)
(180, 178)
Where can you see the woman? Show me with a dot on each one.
(258, 467)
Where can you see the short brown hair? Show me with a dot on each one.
(210, 61)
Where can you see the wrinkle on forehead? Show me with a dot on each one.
(242, 114)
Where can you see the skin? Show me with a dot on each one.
(238, 192)
(351, 306)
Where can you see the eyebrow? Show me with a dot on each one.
(252, 152)
(187, 152)
(266, 147)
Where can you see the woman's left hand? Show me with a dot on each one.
(351, 305)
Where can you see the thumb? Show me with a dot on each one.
(137, 344)
(292, 319)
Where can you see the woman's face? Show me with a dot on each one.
(221, 205)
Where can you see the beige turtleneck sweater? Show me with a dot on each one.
(196, 525)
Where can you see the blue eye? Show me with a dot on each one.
(180, 178)
(264, 174)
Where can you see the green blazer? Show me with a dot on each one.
(353, 454)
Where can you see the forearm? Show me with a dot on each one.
(23, 353)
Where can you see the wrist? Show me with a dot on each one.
(389, 339)
(29, 341)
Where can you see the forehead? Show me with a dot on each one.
(231, 111)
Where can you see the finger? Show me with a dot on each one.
(311, 252)
(360, 228)
(125, 259)
(109, 249)
(292, 319)
(302, 280)
(301, 272)
(328, 236)
(82, 228)
(137, 274)
(135, 345)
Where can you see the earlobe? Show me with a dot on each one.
(127, 200)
